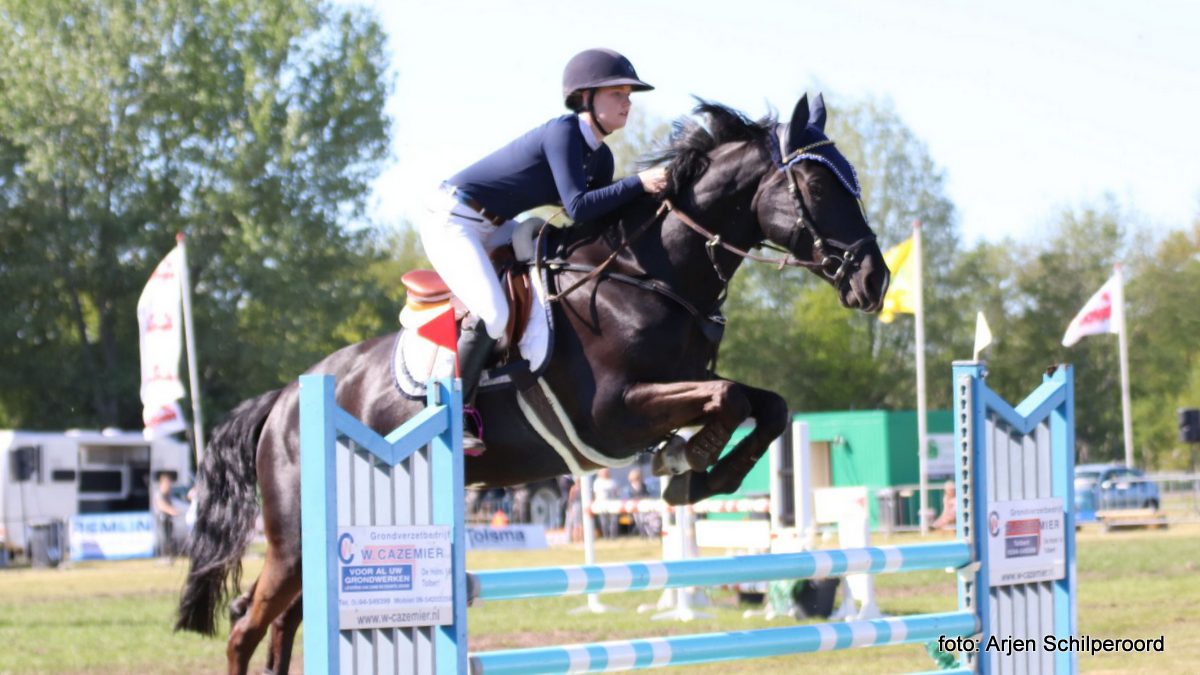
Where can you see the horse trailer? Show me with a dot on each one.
(48, 477)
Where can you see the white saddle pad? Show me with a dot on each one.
(416, 360)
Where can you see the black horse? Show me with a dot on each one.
(637, 328)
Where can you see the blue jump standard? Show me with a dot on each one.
(1005, 458)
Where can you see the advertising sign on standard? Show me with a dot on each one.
(394, 576)
(1026, 541)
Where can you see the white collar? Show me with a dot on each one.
(589, 136)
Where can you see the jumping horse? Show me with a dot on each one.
(637, 325)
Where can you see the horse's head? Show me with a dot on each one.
(810, 206)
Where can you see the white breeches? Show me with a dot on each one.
(457, 241)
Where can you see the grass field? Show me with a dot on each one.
(115, 617)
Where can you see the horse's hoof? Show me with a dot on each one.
(688, 488)
(671, 458)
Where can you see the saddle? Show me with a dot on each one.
(427, 295)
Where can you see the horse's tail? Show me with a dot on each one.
(225, 514)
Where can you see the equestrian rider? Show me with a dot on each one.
(562, 161)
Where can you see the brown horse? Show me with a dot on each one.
(633, 347)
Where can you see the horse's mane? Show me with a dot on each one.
(688, 148)
(687, 156)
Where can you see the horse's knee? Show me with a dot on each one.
(730, 401)
(771, 415)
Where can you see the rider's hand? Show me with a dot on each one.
(654, 180)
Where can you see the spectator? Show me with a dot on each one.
(604, 488)
(193, 506)
(574, 519)
(637, 487)
(647, 524)
(165, 515)
(565, 483)
(949, 516)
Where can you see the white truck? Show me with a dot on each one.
(47, 477)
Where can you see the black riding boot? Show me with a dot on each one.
(474, 349)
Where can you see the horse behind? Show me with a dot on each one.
(637, 328)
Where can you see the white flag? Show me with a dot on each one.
(1099, 314)
(163, 420)
(983, 334)
(160, 332)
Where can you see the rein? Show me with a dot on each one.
(834, 265)
(598, 270)
(652, 285)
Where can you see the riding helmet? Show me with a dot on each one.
(594, 68)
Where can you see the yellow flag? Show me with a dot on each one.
(901, 295)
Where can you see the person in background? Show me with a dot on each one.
(574, 515)
(949, 516)
(193, 506)
(604, 488)
(636, 489)
(165, 513)
(647, 524)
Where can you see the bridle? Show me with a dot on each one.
(837, 258)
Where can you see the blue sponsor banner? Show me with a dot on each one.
(367, 578)
(112, 536)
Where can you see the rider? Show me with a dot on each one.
(564, 160)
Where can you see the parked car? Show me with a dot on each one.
(1099, 487)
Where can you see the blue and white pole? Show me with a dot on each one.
(545, 582)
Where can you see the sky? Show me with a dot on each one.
(1029, 108)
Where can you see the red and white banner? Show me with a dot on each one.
(1100, 314)
(160, 331)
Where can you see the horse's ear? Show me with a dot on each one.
(797, 125)
(817, 116)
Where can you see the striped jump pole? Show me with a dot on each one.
(546, 582)
(1014, 552)
(681, 650)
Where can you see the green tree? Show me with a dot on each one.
(1037, 287)
(1164, 354)
(253, 126)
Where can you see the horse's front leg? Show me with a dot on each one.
(770, 414)
(719, 405)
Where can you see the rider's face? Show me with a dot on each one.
(611, 106)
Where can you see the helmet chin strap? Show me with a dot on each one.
(592, 112)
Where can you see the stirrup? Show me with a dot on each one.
(473, 445)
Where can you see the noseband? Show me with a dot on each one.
(844, 257)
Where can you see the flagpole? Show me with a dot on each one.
(190, 342)
(1123, 351)
(922, 423)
